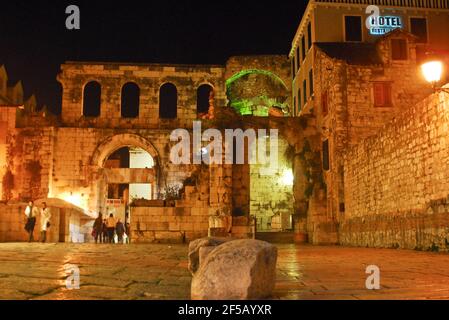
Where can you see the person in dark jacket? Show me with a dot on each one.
(31, 213)
(98, 228)
(120, 229)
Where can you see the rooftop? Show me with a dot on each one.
(425, 4)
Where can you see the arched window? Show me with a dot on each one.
(92, 99)
(203, 98)
(130, 100)
(168, 101)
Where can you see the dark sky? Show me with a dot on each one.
(34, 41)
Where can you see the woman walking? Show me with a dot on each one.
(45, 221)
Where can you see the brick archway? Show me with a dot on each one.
(113, 143)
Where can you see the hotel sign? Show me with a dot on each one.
(379, 25)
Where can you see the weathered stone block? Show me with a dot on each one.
(195, 246)
(236, 270)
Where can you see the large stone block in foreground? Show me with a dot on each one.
(237, 270)
(195, 247)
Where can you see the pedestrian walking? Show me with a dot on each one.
(98, 228)
(31, 213)
(111, 223)
(120, 229)
(45, 221)
(104, 231)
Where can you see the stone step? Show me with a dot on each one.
(276, 237)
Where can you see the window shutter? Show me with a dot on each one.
(399, 49)
(382, 94)
(387, 95)
(379, 100)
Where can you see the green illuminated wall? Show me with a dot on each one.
(254, 92)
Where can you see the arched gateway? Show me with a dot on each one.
(127, 170)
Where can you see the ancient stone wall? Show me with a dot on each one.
(31, 161)
(351, 115)
(396, 183)
(175, 225)
(271, 193)
(7, 125)
(112, 77)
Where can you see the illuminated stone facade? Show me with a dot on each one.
(73, 157)
(348, 90)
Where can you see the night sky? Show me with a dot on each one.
(34, 41)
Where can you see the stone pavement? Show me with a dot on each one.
(36, 271)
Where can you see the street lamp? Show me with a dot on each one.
(432, 71)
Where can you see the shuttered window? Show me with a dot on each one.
(382, 94)
(399, 49)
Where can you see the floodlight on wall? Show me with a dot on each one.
(288, 178)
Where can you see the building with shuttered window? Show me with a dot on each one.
(354, 69)
(353, 22)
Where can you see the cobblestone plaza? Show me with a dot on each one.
(153, 272)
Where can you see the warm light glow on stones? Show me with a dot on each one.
(287, 177)
(73, 198)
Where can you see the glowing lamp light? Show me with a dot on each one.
(287, 178)
(432, 71)
(72, 198)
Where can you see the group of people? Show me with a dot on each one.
(32, 212)
(111, 230)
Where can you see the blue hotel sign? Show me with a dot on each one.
(384, 24)
(379, 25)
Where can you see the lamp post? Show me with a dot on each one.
(432, 71)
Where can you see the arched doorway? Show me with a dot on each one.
(127, 170)
(130, 176)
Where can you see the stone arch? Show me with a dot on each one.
(113, 143)
(245, 72)
(277, 65)
(257, 91)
